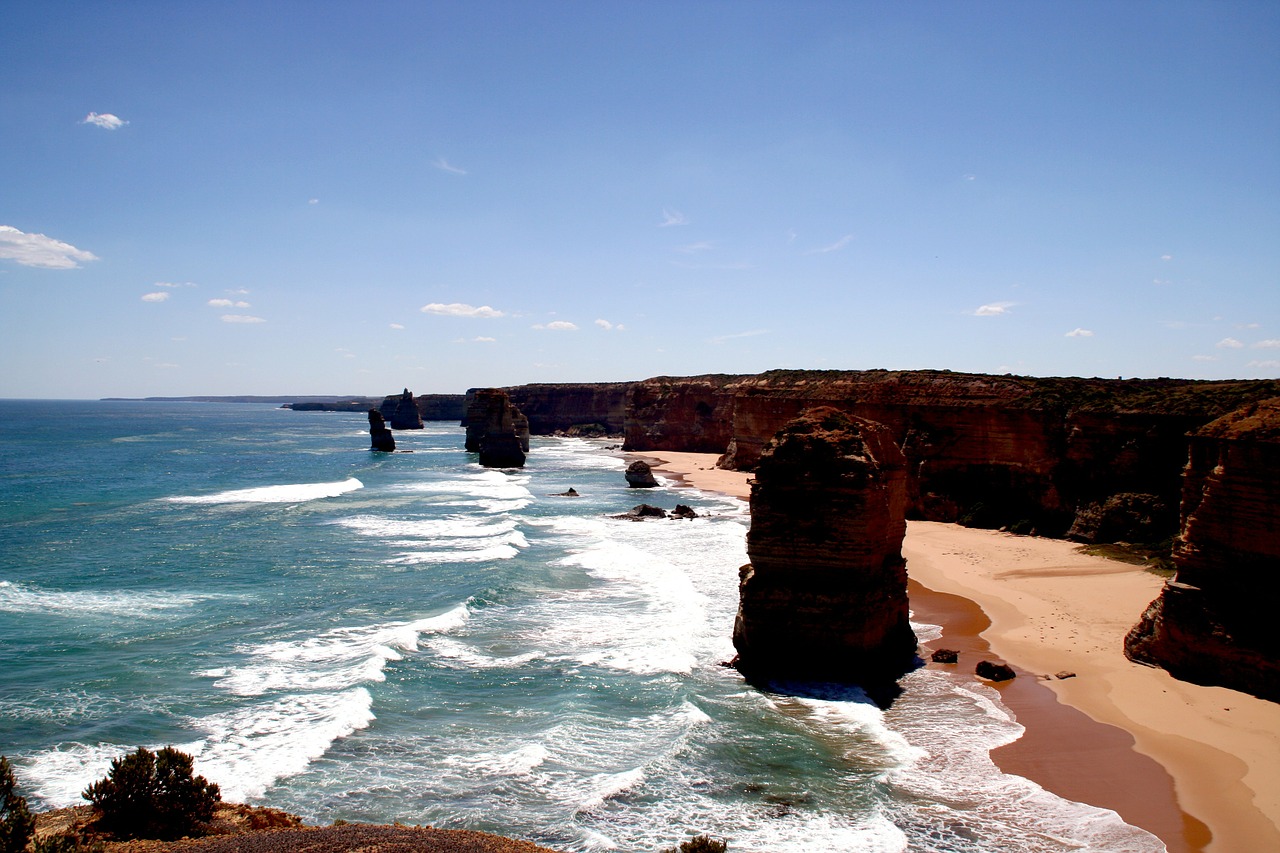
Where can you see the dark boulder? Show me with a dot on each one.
(993, 671)
(682, 511)
(640, 476)
(945, 656)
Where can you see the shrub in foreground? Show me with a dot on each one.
(16, 821)
(700, 844)
(153, 795)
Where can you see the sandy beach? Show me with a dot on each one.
(1197, 766)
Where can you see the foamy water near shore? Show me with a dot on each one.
(1053, 609)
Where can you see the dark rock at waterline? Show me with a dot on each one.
(640, 476)
(405, 415)
(993, 671)
(572, 493)
(945, 656)
(642, 511)
(682, 511)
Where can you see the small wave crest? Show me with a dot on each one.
(334, 660)
(284, 493)
(23, 598)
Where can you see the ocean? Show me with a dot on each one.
(410, 637)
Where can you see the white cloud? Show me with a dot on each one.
(159, 296)
(1160, 282)
(460, 309)
(970, 176)
(176, 284)
(313, 201)
(484, 340)
(445, 166)
(1269, 364)
(37, 250)
(241, 318)
(672, 217)
(993, 309)
(397, 326)
(701, 246)
(834, 247)
(1271, 344)
(607, 326)
(227, 303)
(1229, 343)
(1079, 333)
(1204, 358)
(106, 121)
(723, 338)
(557, 326)
(1166, 257)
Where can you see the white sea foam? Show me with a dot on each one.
(285, 493)
(452, 527)
(25, 598)
(449, 651)
(247, 750)
(337, 659)
(517, 762)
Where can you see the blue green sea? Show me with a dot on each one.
(410, 637)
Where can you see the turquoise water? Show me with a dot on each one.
(413, 638)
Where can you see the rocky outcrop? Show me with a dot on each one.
(640, 475)
(825, 595)
(693, 414)
(494, 429)
(1211, 624)
(1126, 517)
(379, 436)
(401, 412)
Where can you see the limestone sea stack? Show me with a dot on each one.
(380, 437)
(496, 429)
(825, 595)
(406, 414)
(1212, 623)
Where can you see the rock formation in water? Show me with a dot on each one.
(640, 475)
(1212, 623)
(825, 595)
(380, 437)
(404, 412)
(496, 429)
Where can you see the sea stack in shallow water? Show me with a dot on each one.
(640, 476)
(1212, 623)
(405, 415)
(380, 437)
(825, 595)
(496, 429)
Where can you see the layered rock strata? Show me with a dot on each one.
(380, 437)
(591, 408)
(1211, 624)
(825, 595)
(496, 429)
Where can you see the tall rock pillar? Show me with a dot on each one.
(496, 429)
(825, 595)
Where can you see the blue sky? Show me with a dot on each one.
(338, 198)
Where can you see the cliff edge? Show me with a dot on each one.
(1211, 623)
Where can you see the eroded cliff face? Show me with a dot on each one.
(1211, 624)
(566, 407)
(825, 595)
(983, 450)
(692, 414)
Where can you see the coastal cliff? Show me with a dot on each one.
(1211, 624)
(825, 595)
(589, 408)
(988, 451)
